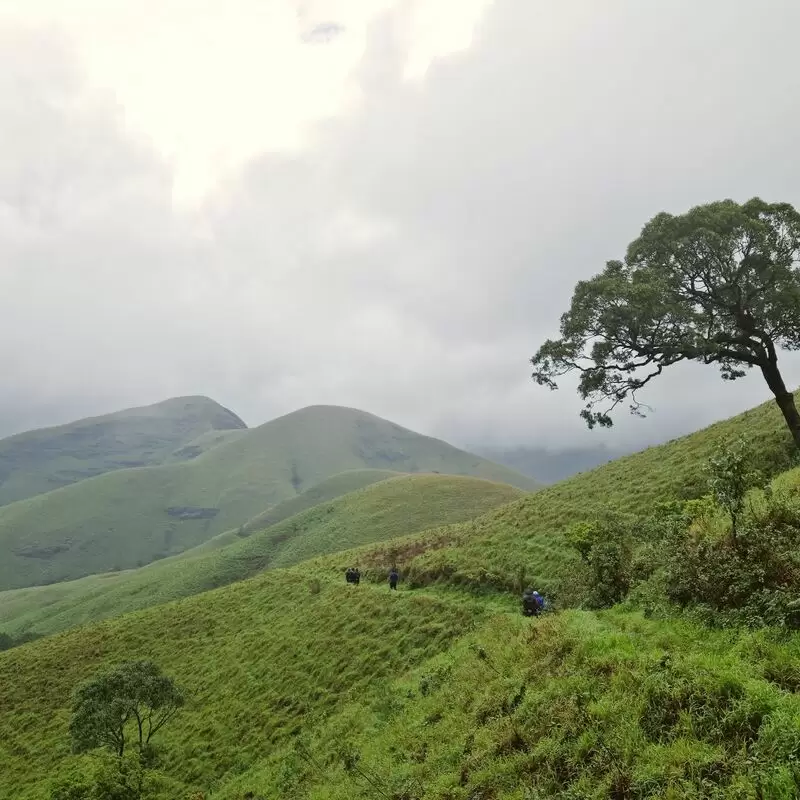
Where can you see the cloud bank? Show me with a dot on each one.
(414, 254)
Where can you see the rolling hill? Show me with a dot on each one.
(39, 461)
(301, 686)
(377, 512)
(127, 518)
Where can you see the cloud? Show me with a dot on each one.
(323, 32)
(413, 255)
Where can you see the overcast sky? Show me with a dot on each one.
(383, 205)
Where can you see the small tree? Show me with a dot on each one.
(718, 285)
(135, 692)
(606, 550)
(730, 476)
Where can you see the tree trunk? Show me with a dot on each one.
(784, 398)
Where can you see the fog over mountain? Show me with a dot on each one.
(383, 206)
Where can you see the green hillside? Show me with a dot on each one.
(491, 551)
(381, 511)
(127, 518)
(336, 486)
(301, 686)
(432, 696)
(42, 460)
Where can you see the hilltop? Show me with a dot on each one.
(383, 510)
(130, 517)
(39, 461)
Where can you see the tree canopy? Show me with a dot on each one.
(132, 693)
(717, 285)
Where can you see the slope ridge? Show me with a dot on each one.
(377, 512)
(127, 518)
(41, 460)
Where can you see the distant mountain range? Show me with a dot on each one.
(122, 490)
(551, 466)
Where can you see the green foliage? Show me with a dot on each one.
(383, 510)
(101, 776)
(730, 476)
(606, 549)
(717, 285)
(133, 694)
(753, 579)
(129, 517)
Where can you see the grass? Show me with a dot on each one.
(301, 686)
(42, 460)
(493, 551)
(575, 706)
(258, 659)
(383, 510)
(122, 519)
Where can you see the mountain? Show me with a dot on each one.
(42, 460)
(128, 517)
(550, 466)
(300, 686)
(389, 508)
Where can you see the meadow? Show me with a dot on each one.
(302, 686)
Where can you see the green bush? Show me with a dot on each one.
(606, 550)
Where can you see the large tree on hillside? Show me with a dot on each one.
(719, 285)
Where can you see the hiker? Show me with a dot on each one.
(349, 576)
(356, 576)
(531, 603)
(393, 578)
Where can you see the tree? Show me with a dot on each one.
(134, 692)
(730, 476)
(718, 285)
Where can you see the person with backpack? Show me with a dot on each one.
(356, 576)
(532, 603)
(393, 578)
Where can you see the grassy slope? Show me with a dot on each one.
(381, 511)
(120, 519)
(42, 460)
(229, 649)
(581, 705)
(578, 705)
(441, 697)
(492, 550)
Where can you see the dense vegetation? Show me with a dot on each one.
(127, 518)
(381, 511)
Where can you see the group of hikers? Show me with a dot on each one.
(353, 575)
(533, 604)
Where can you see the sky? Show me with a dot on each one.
(383, 204)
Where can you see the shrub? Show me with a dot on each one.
(606, 550)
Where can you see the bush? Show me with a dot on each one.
(104, 777)
(606, 550)
(754, 578)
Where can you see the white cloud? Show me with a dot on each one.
(403, 238)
